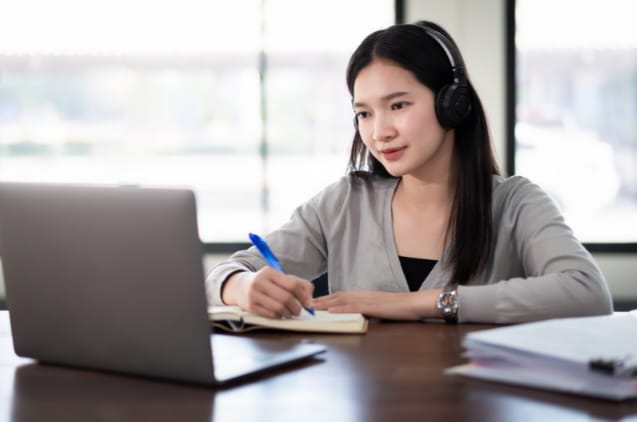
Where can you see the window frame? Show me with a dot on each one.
(230, 247)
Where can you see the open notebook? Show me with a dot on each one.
(232, 318)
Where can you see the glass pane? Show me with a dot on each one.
(169, 94)
(309, 114)
(576, 123)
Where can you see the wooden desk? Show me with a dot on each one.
(393, 373)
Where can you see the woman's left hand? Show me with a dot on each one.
(385, 305)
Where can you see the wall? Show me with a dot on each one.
(478, 26)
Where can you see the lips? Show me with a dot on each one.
(392, 153)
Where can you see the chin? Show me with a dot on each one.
(395, 171)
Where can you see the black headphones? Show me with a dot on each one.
(453, 101)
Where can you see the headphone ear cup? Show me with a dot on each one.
(453, 105)
(440, 106)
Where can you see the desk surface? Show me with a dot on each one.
(393, 373)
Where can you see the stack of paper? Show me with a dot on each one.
(594, 356)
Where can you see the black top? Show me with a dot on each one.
(416, 270)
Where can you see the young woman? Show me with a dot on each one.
(423, 226)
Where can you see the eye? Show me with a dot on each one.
(399, 105)
(362, 115)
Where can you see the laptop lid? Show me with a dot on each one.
(110, 278)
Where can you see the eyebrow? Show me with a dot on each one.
(387, 97)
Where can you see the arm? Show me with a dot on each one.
(539, 269)
(246, 281)
(386, 305)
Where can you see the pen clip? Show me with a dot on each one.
(614, 367)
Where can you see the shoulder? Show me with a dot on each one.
(516, 196)
(504, 185)
(355, 186)
(353, 197)
(516, 188)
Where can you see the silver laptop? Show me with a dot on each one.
(111, 278)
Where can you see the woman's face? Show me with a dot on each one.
(397, 122)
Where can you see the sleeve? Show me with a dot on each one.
(299, 244)
(560, 277)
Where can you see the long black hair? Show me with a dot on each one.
(470, 222)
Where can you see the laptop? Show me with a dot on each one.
(111, 279)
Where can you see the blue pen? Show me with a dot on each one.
(269, 257)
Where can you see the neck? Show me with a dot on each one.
(433, 184)
(421, 211)
(433, 192)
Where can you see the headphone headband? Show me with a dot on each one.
(453, 101)
(455, 60)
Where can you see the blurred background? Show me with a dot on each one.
(246, 103)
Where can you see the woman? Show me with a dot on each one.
(423, 226)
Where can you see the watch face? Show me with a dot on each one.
(448, 299)
(447, 304)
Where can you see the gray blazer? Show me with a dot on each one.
(537, 268)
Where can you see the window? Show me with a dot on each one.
(575, 125)
(245, 102)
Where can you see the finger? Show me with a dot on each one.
(302, 289)
(293, 292)
(286, 289)
(322, 303)
(275, 308)
(319, 307)
(262, 311)
(304, 292)
(346, 309)
(271, 292)
(263, 294)
(338, 303)
(331, 300)
(286, 299)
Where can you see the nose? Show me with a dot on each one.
(384, 129)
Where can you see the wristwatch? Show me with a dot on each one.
(447, 305)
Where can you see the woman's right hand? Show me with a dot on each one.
(268, 293)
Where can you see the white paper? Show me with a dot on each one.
(575, 341)
(556, 355)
